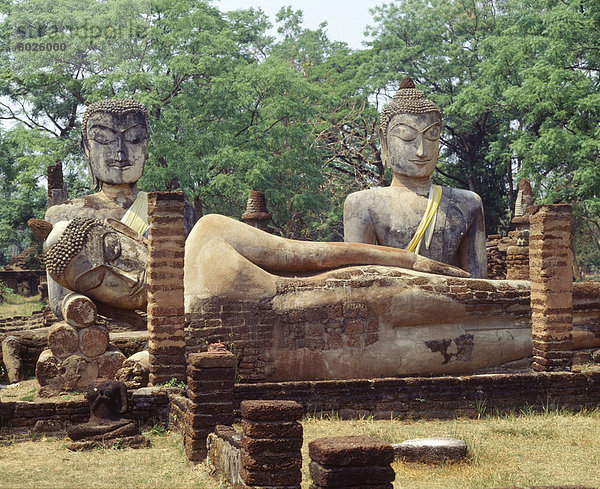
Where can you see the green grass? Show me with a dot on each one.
(522, 449)
(16, 305)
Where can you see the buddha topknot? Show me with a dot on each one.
(407, 100)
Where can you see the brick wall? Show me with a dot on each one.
(435, 397)
(147, 406)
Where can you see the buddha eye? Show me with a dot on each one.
(404, 132)
(432, 133)
(135, 138)
(111, 247)
(102, 136)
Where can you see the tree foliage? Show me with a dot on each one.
(234, 107)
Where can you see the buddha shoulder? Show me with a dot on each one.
(86, 206)
(363, 200)
(468, 201)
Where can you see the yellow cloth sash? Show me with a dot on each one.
(136, 216)
(427, 223)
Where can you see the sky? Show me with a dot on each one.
(346, 19)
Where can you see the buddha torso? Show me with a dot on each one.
(390, 216)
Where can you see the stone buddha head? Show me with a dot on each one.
(410, 132)
(104, 260)
(114, 138)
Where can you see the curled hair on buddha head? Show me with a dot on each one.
(70, 243)
(407, 100)
(120, 106)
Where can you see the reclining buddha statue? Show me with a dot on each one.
(316, 310)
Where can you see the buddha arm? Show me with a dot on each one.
(279, 255)
(358, 227)
(472, 251)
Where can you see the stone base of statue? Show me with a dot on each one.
(79, 350)
(375, 321)
(138, 441)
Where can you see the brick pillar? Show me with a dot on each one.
(211, 376)
(517, 254)
(57, 190)
(271, 443)
(166, 242)
(351, 462)
(551, 272)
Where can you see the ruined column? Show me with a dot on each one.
(517, 254)
(211, 376)
(271, 443)
(350, 462)
(256, 211)
(551, 273)
(57, 190)
(166, 242)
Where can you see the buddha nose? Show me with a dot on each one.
(121, 150)
(421, 150)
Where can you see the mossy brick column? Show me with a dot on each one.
(351, 462)
(166, 242)
(271, 443)
(211, 376)
(551, 275)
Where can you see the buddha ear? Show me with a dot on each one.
(384, 147)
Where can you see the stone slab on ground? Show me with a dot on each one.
(358, 451)
(430, 450)
(137, 441)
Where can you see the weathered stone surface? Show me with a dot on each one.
(273, 462)
(79, 311)
(271, 430)
(134, 371)
(272, 445)
(430, 450)
(109, 363)
(47, 368)
(224, 359)
(166, 341)
(11, 357)
(93, 341)
(326, 476)
(268, 410)
(136, 441)
(63, 340)
(223, 458)
(359, 451)
(551, 272)
(265, 478)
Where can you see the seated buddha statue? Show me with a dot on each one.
(114, 138)
(442, 223)
(106, 426)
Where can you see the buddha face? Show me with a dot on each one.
(411, 145)
(115, 147)
(110, 268)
